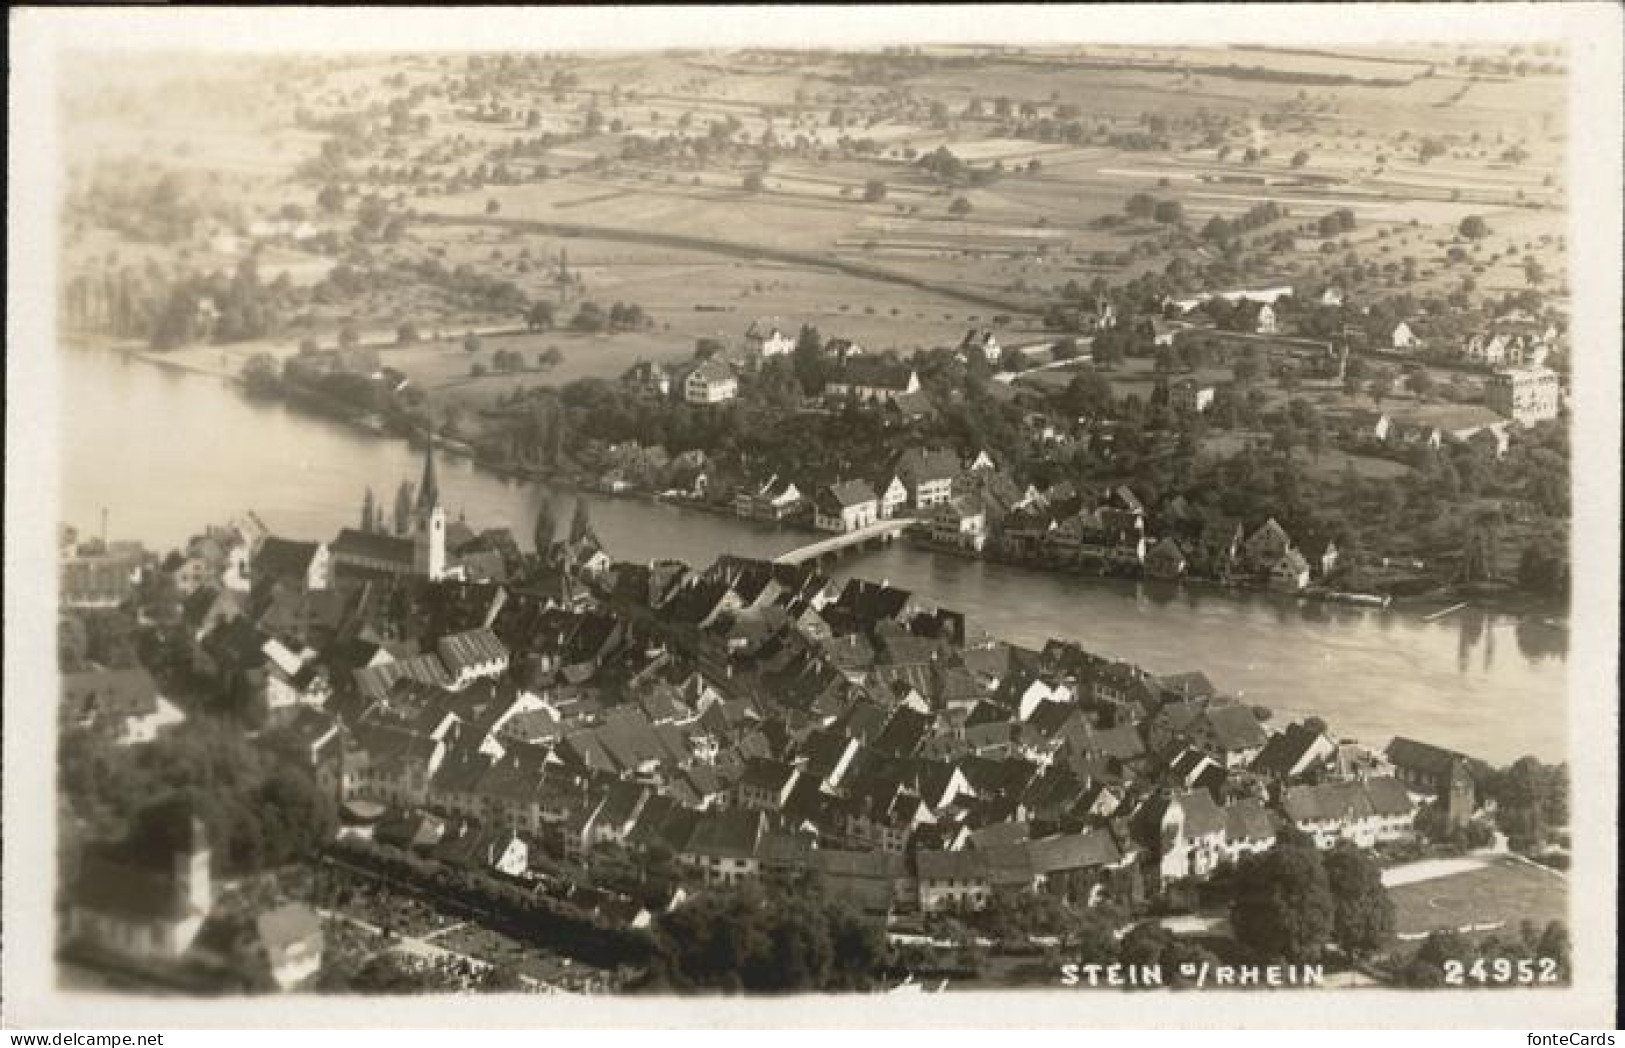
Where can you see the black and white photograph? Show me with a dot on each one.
(916, 507)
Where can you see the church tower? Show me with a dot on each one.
(193, 886)
(429, 523)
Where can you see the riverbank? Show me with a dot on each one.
(218, 362)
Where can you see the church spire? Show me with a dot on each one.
(429, 489)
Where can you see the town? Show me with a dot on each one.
(762, 521)
(567, 779)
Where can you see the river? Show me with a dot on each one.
(167, 452)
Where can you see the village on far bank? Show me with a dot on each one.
(1223, 438)
(419, 757)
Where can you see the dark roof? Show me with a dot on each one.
(876, 372)
(734, 833)
(108, 693)
(1074, 851)
(1335, 800)
(846, 493)
(373, 546)
(1235, 727)
(1202, 815)
(284, 558)
(1422, 756)
(951, 865)
(1248, 820)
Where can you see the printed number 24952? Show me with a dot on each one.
(1502, 971)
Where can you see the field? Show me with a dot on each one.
(712, 189)
(1494, 898)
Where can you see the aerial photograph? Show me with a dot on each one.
(905, 519)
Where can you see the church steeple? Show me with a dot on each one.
(429, 489)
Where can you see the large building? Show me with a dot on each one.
(420, 552)
(1527, 394)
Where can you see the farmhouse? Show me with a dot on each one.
(870, 380)
(1190, 396)
(845, 506)
(764, 340)
(982, 341)
(1526, 394)
(712, 382)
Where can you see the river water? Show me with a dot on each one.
(167, 452)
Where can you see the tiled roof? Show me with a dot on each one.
(1074, 851)
(951, 865)
(469, 649)
(373, 546)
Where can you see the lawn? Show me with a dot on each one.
(1497, 897)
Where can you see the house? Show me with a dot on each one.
(1367, 813)
(293, 679)
(712, 382)
(471, 655)
(1190, 396)
(1231, 734)
(306, 566)
(952, 880)
(1292, 754)
(1165, 560)
(723, 847)
(648, 379)
(1441, 775)
(983, 342)
(1185, 832)
(1525, 394)
(1403, 337)
(149, 907)
(869, 380)
(1290, 571)
(893, 497)
(775, 500)
(765, 785)
(285, 945)
(1265, 546)
(122, 706)
(1266, 323)
(929, 475)
(845, 506)
(764, 339)
(959, 523)
(841, 350)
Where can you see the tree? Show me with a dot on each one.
(1300, 158)
(1283, 907)
(546, 525)
(539, 317)
(960, 207)
(471, 343)
(1168, 212)
(752, 182)
(349, 338)
(1421, 383)
(369, 513)
(1543, 567)
(1362, 912)
(403, 508)
(580, 521)
(1473, 227)
(1140, 206)
(406, 334)
(492, 206)
(874, 191)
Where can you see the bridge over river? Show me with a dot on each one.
(880, 531)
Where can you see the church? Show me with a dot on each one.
(420, 552)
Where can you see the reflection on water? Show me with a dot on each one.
(168, 452)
